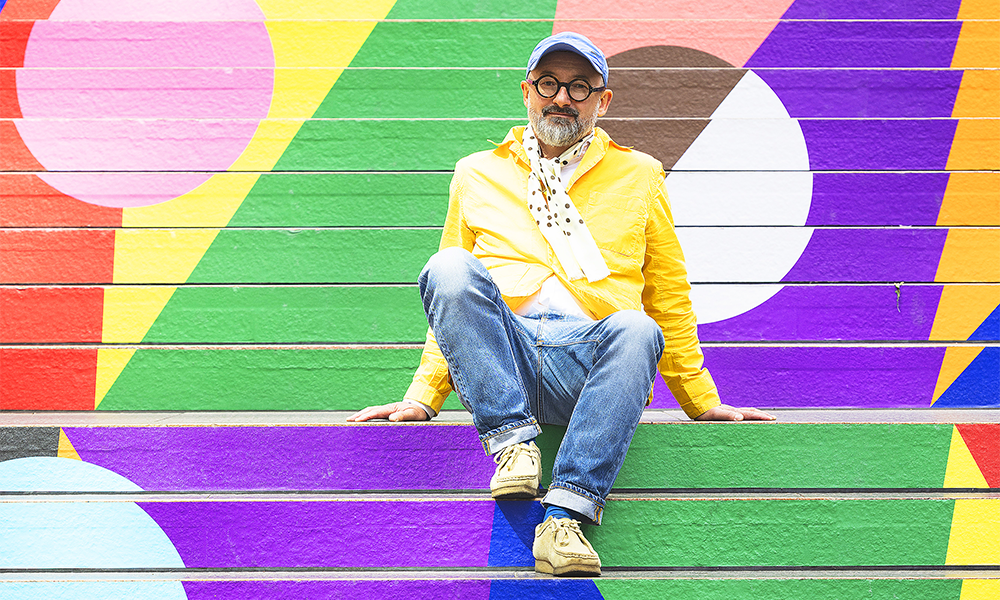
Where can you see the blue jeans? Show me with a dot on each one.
(514, 372)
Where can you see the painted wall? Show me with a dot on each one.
(224, 205)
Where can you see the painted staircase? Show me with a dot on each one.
(821, 504)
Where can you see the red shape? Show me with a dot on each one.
(47, 378)
(983, 440)
(42, 314)
(15, 155)
(13, 41)
(57, 256)
(27, 201)
(27, 9)
(10, 108)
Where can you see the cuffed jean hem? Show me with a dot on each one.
(513, 433)
(567, 495)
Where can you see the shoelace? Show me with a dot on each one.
(566, 527)
(510, 454)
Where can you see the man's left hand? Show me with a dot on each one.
(724, 412)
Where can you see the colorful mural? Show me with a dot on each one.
(212, 187)
(223, 205)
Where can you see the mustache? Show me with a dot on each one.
(552, 108)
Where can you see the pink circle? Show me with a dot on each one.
(136, 103)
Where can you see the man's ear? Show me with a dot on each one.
(605, 102)
(524, 91)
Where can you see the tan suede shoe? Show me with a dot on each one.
(519, 472)
(561, 549)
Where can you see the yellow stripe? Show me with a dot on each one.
(980, 589)
(309, 56)
(975, 532)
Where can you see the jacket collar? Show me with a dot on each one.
(511, 146)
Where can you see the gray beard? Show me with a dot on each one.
(559, 132)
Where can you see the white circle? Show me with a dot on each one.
(740, 196)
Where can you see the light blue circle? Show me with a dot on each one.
(47, 533)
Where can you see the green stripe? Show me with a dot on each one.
(763, 455)
(780, 589)
(262, 379)
(345, 200)
(451, 43)
(422, 94)
(358, 315)
(317, 256)
(390, 145)
(693, 533)
(481, 9)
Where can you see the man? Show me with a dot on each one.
(558, 292)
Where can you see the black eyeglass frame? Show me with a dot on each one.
(561, 84)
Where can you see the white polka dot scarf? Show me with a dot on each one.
(556, 215)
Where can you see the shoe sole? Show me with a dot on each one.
(514, 492)
(542, 566)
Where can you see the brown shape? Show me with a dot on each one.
(664, 139)
(663, 97)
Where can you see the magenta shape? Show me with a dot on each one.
(822, 313)
(861, 255)
(879, 145)
(383, 589)
(866, 9)
(330, 533)
(876, 198)
(350, 457)
(864, 93)
(143, 112)
(889, 44)
(820, 377)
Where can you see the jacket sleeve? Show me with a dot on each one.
(666, 298)
(431, 382)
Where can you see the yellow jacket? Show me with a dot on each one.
(621, 195)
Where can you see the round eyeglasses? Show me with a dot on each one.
(579, 90)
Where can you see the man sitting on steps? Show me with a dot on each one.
(558, 292)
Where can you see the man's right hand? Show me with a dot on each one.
(394, 411)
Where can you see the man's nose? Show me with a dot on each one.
(562, 97)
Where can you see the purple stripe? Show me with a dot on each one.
(875, 145)
(864, 94)
(398, 589)
(289, 458)
(866, 9)
(821, 377)
(870, 255)
(876, 198)
(330, 534)
(833, 313)
(858, 44)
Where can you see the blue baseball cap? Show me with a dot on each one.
(570, 42)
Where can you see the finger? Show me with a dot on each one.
(372, 412)
(753, 413)
(407, 413)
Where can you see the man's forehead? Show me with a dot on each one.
(566, 61)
